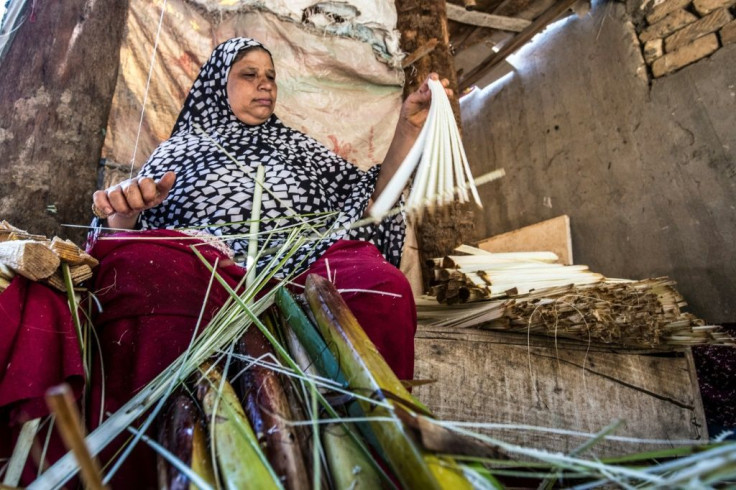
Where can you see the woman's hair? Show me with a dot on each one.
(245, 51)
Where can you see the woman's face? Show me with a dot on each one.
(251, 87)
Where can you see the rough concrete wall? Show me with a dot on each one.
(56, 84)
(647, 173)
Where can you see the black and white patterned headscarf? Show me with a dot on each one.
(214, 193)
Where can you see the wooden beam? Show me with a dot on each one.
(549, 15)
(480, 19)
(656, 395)
(524, 9)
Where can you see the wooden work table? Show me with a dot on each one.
(499, 377)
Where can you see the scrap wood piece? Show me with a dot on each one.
(420, 52)
(553, 234)
(38, 258)
(434, 436)
(31, 259)
(79, 274)
(68, 251)
(7, 227)
(10, 232)
(27, 236)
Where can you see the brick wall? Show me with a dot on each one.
(676, 33)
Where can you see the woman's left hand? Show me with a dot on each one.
(415, 108)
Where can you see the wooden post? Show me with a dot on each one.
(421, 21)
(61, 403)
(56, 86)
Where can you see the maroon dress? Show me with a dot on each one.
(151, 294)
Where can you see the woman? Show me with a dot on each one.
(203, 177)
(236, 110)
(153, 293)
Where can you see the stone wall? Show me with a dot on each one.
(676, 33)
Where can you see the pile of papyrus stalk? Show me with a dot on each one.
(529, 292)
(273, 394)
(477, 274)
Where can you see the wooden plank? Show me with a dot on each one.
(549, 15)
(552, 235)
(459, 14)
(498, 377)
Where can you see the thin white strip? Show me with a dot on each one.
(148, 85)
(371, 291)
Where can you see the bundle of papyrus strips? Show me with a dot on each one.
(37, 258)
(530, 292)
(442, 169)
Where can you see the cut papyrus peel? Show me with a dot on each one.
(439, 158)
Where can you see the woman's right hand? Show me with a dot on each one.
(122, 203)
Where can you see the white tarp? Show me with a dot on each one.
(373, 22)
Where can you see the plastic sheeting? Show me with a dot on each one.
(373, 22)
(332, 88)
